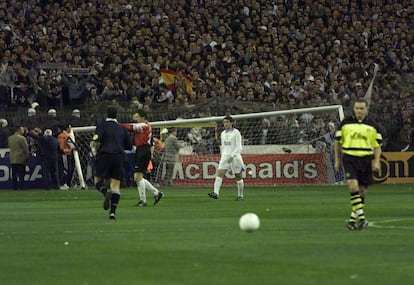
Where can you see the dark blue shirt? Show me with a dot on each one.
(4, 135)
(48, 146)
(113, 138)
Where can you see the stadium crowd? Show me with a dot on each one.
(84, 54)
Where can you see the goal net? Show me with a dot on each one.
(280, 147)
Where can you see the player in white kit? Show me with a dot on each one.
(231, 159)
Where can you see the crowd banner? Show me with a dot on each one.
(33, 177)
(396, 167)
(270, 169)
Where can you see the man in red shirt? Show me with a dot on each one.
(143, 143)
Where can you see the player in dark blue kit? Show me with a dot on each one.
(111, 140)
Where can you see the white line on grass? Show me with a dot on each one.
(386, 224)
(71, 232)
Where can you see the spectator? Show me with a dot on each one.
(111, 91)
(22, 101)
(76, 88)
(7, 82)
(157, 156)
(93, 99)
(265, 131)
(48, 149)
(19, 157)
(54, 99)
(42, 91)
(76, 120)
(163, 134)
(405, 138)
(4, 133)
(171, 147)
(51, 122)
(240, 50)
(32, 119)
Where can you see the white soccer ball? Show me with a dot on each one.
(249, 222)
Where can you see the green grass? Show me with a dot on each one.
(189, 238)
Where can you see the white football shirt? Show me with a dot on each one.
(231, 142)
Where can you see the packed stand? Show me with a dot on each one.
(67, 55)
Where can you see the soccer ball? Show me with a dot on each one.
(249, 222)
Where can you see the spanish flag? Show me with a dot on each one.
(178, 81)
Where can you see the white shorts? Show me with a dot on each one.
(236, 166)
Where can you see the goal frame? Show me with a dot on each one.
(194, 121)
(176, 122)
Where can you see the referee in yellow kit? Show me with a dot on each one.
(358, 143)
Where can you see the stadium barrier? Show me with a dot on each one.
(292, 168)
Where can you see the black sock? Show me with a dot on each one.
(114, 202)
(99, 184)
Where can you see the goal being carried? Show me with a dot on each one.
(279, 147)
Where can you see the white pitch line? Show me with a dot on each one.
(70, 232)
(380, 224)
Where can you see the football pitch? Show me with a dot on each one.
(65, 237)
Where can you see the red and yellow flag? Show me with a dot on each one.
(178, 81)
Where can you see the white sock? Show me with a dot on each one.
(217, 184)
(141, 190)
(240, 187)
(150, 187)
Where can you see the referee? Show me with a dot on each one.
(112, 140)
(359, 143)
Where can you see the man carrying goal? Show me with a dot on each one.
(231, 147)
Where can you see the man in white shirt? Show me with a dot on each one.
(231, 159)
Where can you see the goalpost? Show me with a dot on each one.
(279, 147)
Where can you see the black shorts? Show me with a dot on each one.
(358, 168)
(142, 158)
(109, 166)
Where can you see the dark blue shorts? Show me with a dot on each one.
(109, 166)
